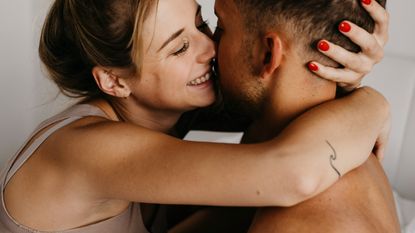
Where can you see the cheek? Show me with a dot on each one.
(176, 73)
(231, 70)
(227, 60)
(162, 79)
(228, 51)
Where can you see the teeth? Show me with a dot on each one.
(200, 80)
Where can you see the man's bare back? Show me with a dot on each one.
(361, 201)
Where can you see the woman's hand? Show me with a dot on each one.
(357, 65)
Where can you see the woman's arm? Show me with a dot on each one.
(347, 144)
(122, 161)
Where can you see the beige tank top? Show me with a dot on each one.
(130, 221)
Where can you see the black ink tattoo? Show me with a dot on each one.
(333, 158)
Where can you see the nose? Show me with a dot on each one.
(207, 49)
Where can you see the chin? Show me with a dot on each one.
(205, 102)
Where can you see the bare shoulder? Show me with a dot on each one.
(56, 167)
(361, 201)
(100, 148)
(75, 155)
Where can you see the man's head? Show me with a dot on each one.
(257, 38)
(305, 22)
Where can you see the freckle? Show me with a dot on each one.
(258, 193)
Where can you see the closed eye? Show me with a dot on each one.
(183, 49)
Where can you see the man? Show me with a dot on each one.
(274, 40)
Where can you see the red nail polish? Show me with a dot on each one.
(323, 46)
(367, 2)
(313, 67)
(345, 27)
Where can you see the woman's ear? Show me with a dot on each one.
(110, 83)
(272, 54)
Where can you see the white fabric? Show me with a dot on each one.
(411, 227)
(406, 213)
(208, 136)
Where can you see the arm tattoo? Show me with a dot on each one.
(333, 158)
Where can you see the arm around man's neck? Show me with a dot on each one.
(334, 138)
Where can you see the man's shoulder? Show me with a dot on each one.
(362, 194)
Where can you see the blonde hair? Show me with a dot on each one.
(78, 35)
(144, 9)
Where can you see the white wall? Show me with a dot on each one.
(208, 12)
(26, 96)
(402, 28)
(17, 67)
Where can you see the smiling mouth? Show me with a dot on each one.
(201, 80)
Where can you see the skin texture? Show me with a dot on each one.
(92, 169)
(361, 201)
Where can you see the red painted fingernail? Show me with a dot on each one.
(313, 67)
(323, 46)
(345, 27)
(367, 2)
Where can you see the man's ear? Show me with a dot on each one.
(110, 83)
(272, 54)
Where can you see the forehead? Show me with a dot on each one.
(166, 18)
(226, 10)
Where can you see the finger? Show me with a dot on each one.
(350, 60)
(338, 75)
(368, 43)
(381, 18)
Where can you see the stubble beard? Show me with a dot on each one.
(249, 98)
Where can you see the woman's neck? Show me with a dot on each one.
(126, 111)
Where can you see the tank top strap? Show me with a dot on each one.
(78, 110)
(62, 119)
(129, 221)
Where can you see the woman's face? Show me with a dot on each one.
(177, 58)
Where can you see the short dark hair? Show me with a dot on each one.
(306, 21)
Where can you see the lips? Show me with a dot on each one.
(201, 80)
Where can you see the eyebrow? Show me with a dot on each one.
(171, 38)
(178, 33)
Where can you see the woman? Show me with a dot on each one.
(88, 168)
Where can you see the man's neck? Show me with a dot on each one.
(293, 92)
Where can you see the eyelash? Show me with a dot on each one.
(186, 45)
(217, 34)
(203, 25)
